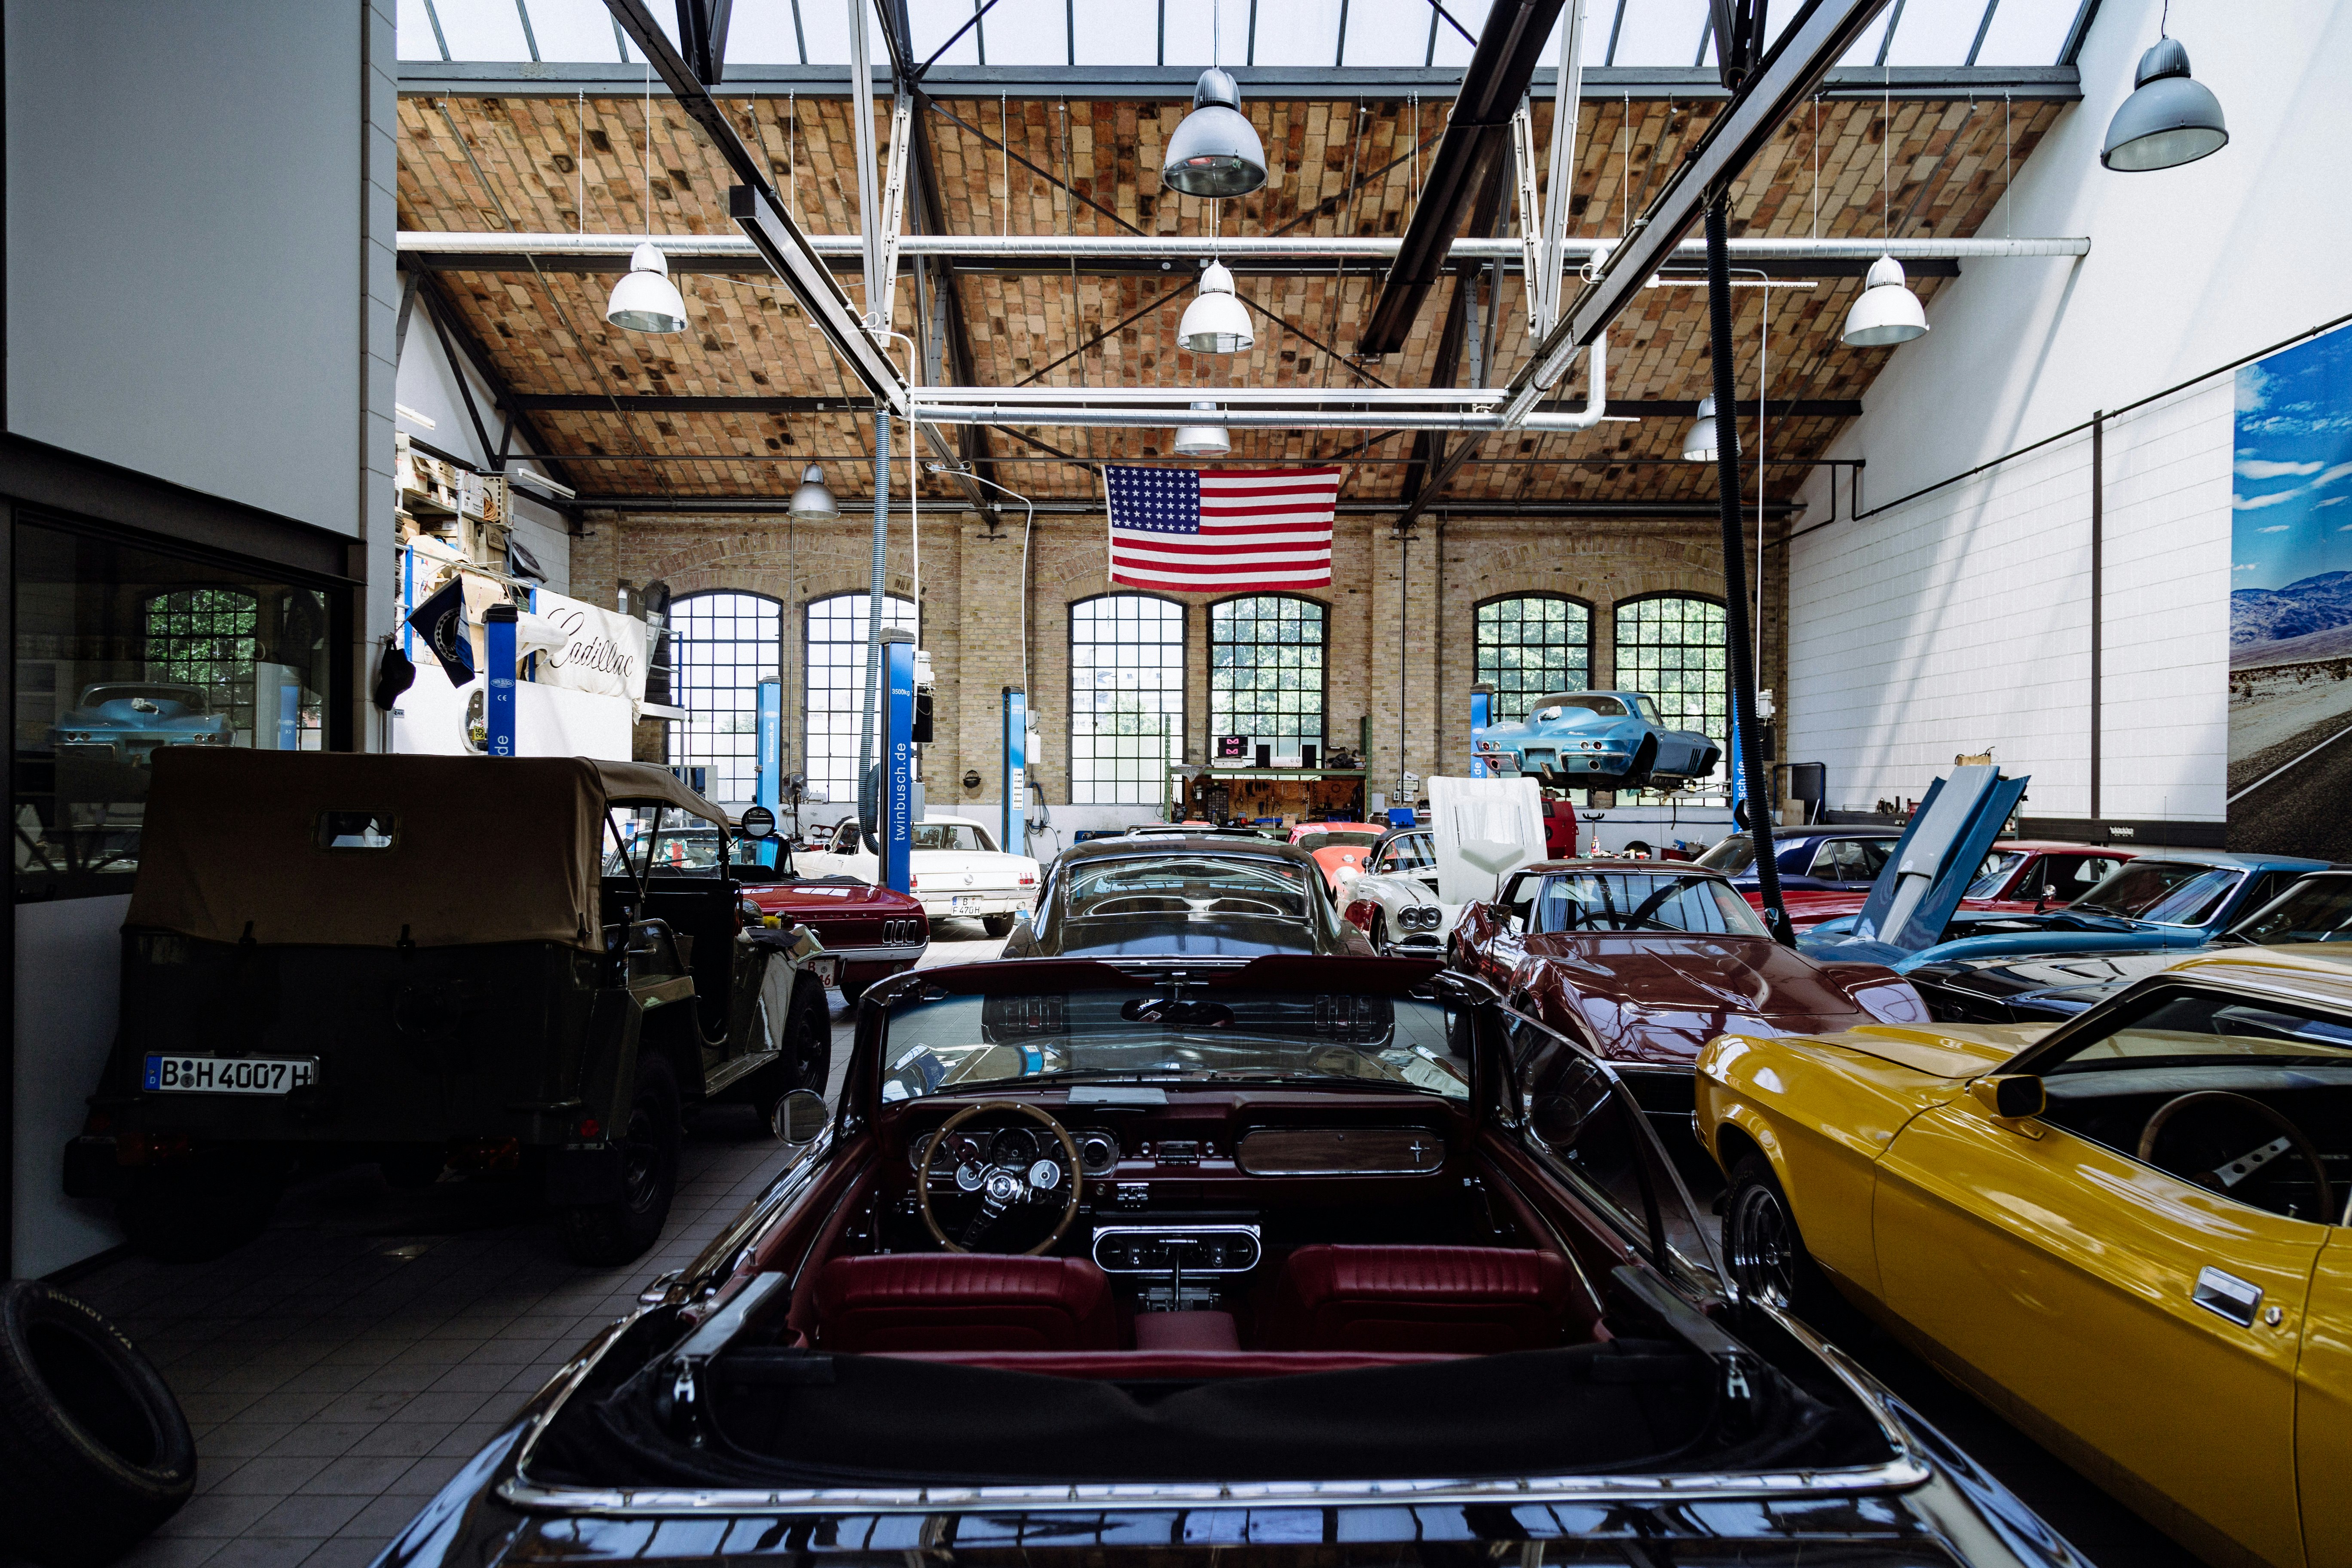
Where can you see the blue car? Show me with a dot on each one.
(127, 721)
(1602, 740)
(1812, 859)
(2169, 899)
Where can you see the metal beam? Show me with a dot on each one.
(447, 318)
(702, 35)
(1696, 512)
(640, 403)
(1477, 134)
(1173, 84)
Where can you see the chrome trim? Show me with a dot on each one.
(870, 954)
(1175, 1233)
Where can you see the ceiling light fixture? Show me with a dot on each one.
(1203, 441)
(1216, 151)
(812, 502)
(1887, 313)
(644, 299)
(2169, 119)
(1698, 447)
(1216, 323)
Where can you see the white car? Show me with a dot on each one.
(1395, 901)
(954, 866)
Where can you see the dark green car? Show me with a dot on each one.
(482, 963)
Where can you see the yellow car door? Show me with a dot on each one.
(2323, 1413)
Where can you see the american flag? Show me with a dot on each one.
(1184, 532)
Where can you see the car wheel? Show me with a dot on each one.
(1644, 759)
(851, 990)
(996, 925)
(94, 1451)
(1764, 1250)
(1379, 935)
(610, 1233)
(194, 1209)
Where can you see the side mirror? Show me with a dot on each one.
(758, 822)
(800, 1117)
(2011, 1096)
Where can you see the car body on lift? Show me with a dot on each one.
(412, 958)
(1315, 1257)
(1395, 902)
(2124, 1233)
(1228, 895)
(953, 865)
(131, 721)
(1643, 962)
(1602, 739)
(2316, 907)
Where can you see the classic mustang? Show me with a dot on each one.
(1227, 897)
(1310, 1259)
(2127, 1234)
(1643, 962)
(954, 869)
(1605, 740)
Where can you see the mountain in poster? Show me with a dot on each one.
(2261, 616)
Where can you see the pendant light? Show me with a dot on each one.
(1698, 447)
(1216, 323)
(2168, 120)
(1887, 312)
(644, 299)
(812, 502)
(1203, 441)
(1216, 151)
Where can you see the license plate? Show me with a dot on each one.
(229, 1075)
(963, 906)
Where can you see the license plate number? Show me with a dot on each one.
(229, 1075)
(963, 906)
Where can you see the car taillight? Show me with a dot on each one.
(1028, 881)
(913, 882)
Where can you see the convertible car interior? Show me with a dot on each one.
(1146, 1234)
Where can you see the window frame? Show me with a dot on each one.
(1720, 785)
(807, 620)
(1183, 681)
(1499, 714)
(1322, 741)
(677, 666)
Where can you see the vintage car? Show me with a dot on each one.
(1394, 902)
(1643, 962)
(1602, 740)
(2127, 1234)
(1230, 898)
(2159, 900)
(1301, 1260)
(1341, 849)
(408, 959)
(2004, 990)
(129, 720)
(953, 866)
(1829, 882)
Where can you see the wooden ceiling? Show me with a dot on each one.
(1343, 167)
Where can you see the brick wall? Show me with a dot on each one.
(972, 621)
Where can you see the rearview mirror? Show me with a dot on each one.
(800, 1117)
(2011, 1096)
(758, 822)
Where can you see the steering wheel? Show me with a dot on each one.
(2226, 1176)
(1000, 1187)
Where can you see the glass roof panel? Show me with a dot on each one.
(1387, 32)
(413, 33)
(1657, 33)
(1121, 34)
(2026, 33)
(762, 35)
(1027, 33)
(572, 30)
(1300, 32)
(1453, 49)
(1189, 39)
(1866, 49)
(825, 28)
(931, 23)
(1936, 32)
(475, 30)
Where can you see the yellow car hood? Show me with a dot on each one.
(1948, 1051)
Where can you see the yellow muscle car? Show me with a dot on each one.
(2128, 1233)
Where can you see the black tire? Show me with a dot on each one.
(613, 1233)
(1644, 759)
(193, 1209)
(94, 1451)
(851, 990)
(996, 925)
(1764, 1251)
(1378, 935)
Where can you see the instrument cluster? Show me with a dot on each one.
(1014, 1147)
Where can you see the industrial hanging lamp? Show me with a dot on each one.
(1203, 441)
(1887, 312)
(1216, 323)
(644, 299)
(1216, 151)
(812, 502)
(2169, 119)
(1698, 447)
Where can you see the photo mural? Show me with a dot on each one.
(2290, 603)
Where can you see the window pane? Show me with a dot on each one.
(1265, 670)
(1126, 699)
(721, 645)
(1671, 650)
(1532, 646)
(835, 687)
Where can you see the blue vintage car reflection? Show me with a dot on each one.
(127, 719)
(1610, 740)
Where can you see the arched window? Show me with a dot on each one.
(721, 645)
(1126, 698)
(1265, 669)
(835, 687)
(207, 637)
(1670, 647)
(1531, 645)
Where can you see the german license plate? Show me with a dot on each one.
(229, 1075)
(963, 905)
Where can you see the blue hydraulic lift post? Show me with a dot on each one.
(1015, 834)
(768, 765)
(498, 680)
(898, 756)
(1482, 713)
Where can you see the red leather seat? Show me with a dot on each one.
(952, 1302)
(1467, 1301)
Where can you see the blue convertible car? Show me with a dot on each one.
(1602, 740)
(126, 720)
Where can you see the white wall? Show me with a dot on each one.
(1961, 620)
(64, 1025)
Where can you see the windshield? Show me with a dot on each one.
(1175, 1035)
(1731, 855)
(1995, 873)
(680, 843)
(1612, 900)
(2316, 910)
(949, 835)
(2193, 1028)
(2168, 892)
(1187, 886)
(1311, 842)
(1607, 706)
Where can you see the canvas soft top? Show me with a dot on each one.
(484, 848)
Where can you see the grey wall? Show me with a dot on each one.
(185, 200)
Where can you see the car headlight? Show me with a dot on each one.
(1347, 874)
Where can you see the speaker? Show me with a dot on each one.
(1266, 756)
(1307, 752)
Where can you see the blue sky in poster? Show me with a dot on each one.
(2294, 465)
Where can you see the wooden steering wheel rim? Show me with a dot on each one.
(2293, 1134)
(940, 1138)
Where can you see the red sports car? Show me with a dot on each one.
(2019, 877)
(1643, 962)
(874, 932)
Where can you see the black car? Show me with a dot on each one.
(2053, 987)
(1302, 1261)
(1222, 896)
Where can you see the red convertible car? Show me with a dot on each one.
(874, 932)
(1826, 877)
(1643, 962)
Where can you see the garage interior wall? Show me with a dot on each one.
(199, 291)
(1962, 620)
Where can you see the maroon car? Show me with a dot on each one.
(1643, 962)
(874, 932)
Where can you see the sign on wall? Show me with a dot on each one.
(603, 652)
(2290, 603)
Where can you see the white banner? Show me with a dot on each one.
(606, 653)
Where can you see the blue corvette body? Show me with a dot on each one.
(1606, 739)
(128, 720)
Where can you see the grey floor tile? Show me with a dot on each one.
(217, 1515)
(242, 1439)
(366, 1404)
(384, 1518)
(345, 1552)
(272, 1475)
(328, 1439)
(315, 1515)
(172, 1551)
(413, 1439)
(428, 1475)
(360, 1475)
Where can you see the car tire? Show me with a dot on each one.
(996, 925)
(1645, 757)
(613, 1233)
(194, 1209)
(1765, 1253)
(1378, 935)
(851, 990)
(94, 1451)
